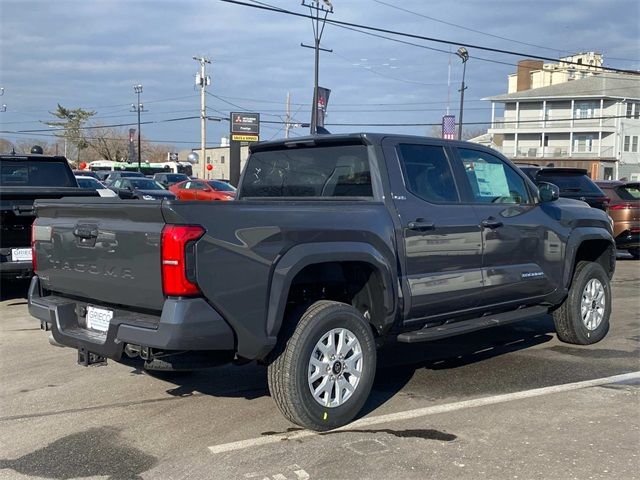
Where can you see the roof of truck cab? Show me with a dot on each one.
(365, 137)
(33, 156)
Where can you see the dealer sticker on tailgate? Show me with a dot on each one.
(98, 318)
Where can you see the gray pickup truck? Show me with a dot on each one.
(334, 245)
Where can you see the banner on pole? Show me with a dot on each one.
(449, 127)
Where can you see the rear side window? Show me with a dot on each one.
(331, 171)
(427, 173)
(570, 182)
(36, 174)
(492, 180)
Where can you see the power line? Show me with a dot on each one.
(422, 37)
(483, 33)
(514, 122)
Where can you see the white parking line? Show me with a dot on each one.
(422, 412)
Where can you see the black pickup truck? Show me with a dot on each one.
(23, 178)
(334, 245)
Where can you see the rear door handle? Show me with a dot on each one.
(420, 225)
(491, 223)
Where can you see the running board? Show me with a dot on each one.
(468, 326)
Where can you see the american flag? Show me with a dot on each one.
(449, 127)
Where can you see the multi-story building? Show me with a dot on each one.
(592, 121)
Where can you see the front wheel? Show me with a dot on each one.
(321, 375)
(583, 318)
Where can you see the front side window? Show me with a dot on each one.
(427, 173)
(491, 180)
(323, 171)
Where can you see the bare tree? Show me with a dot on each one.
(109, 144)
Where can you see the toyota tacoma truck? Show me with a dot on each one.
(335, 244)
(24, 178)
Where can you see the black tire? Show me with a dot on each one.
(634, 252)
(289, 366)
(568, 318)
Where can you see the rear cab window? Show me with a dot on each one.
(331, 171)
(36, 173)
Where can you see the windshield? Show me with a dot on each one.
(89, 183)
(326, 171)
(145, 184)
(221, 186)
(568, 182)
(36, 173)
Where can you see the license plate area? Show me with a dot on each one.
(21, 254)
(98, 319)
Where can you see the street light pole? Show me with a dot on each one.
(464, 56)
(138, 108)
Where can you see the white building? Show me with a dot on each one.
(218, 158)
(591, 122)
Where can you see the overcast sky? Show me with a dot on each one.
(90, 53)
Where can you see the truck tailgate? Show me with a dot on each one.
(103, 250)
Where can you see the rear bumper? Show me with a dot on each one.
(11, 269)
(628, 239)
(184, 324)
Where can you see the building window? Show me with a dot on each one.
(585, 109)
(627, 143)
(221, 158)
(583, 143)
(634, 144)
(629, 110)
(636, 113)
(208, 159)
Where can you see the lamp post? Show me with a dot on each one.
(464, 56)
(138, 108)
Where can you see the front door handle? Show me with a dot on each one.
(420, 225)
(491, 223)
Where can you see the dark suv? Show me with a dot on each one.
(572, 182)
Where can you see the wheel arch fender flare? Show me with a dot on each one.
(304, 255)
(577, 238)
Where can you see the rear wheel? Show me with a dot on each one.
(322, 373)
(635, 253)
(583, 318)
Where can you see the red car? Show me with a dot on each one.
(206, 190)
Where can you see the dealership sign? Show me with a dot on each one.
(245, 127)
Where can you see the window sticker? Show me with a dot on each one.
(491, 179)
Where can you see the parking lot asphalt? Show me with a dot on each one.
(502, 403)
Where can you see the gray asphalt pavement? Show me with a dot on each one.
(439, 410)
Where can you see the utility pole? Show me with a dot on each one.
(135, 108)
(202, 80)
(287, 122)
(318, 23)
(464, 56)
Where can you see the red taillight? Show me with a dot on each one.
(34, 263)
(175, 239)
(621, 206)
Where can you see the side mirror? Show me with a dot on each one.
(548, 192)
